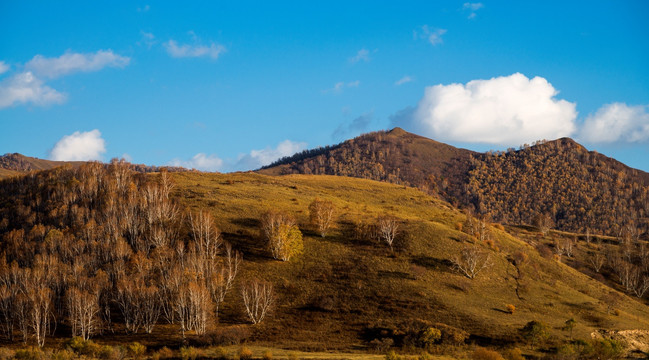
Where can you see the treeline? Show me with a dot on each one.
(578, 190)
(100, 244)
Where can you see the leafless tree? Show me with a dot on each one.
(597, 260)
(388, 227)
(83, 311)
(258, 298)
(321, 214)
(471, 261)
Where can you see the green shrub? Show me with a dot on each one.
(608, 349)
(164, 353)
(83, 347)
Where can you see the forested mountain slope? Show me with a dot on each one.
(576, 189)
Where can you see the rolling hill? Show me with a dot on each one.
(579, 190)
(346, 292)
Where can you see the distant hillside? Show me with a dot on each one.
(394, 156)
(16, 164)
(576, 188)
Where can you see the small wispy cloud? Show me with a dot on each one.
(144, 8)
(176, 50)
(432, 35)
(472, 8)
(3, 67)
(361, 55)
(355, 127)
(340, 86)
(28, 86)
(79, 146)
(70, 62)
(404, 80)
(200, 161)
(147, 39)
(245, 161)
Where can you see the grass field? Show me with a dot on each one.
(377, 293)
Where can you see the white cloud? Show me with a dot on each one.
(472, 8)
(258, 158)
(201, 162)
(75, 62)
(341, 85)
(24, 88)
(29, 86)
(147, 39)
(403, 80)
(507, 110)
(434, 36)
(3, 67)
(185, 50)
(145, 8)
(617, 122)
(79, 146)
(361, 55)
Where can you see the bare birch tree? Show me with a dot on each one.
(258, 298)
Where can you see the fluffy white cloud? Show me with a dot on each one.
(75, 62)
(3, 67)
(508, 110)
(258, 158)
(403, 80)
(617, 122)
(25, 88)
(28, 86)
(361, 55)
(472, 8)
(185, 50)
(201, 162)
(79, 146)
(434, 36)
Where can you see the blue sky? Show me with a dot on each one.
(233, 85)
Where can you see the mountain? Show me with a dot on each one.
(577, 189)
(17, 164)
(131, 239)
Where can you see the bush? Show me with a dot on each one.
(136, 350)
(535, 332)
(190, 353)
(231, 335)
(608, 349)
(83, 347)
(392, 356)
(513, 354)
(510, 308)
(268, 355)
(486, 354)
(220, 354)
(383, 344)
(64, 354)
(6, 354)
(429, 337)
(31, 353)
(164, 353)
(245, 353)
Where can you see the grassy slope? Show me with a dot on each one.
(370, 287)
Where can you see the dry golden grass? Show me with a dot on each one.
(371, 287)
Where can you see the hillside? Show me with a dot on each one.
(16, 164)
(579, 190)
(345, 292)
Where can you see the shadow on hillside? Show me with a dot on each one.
(247, 222)
(251, 246)
(432, 263)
